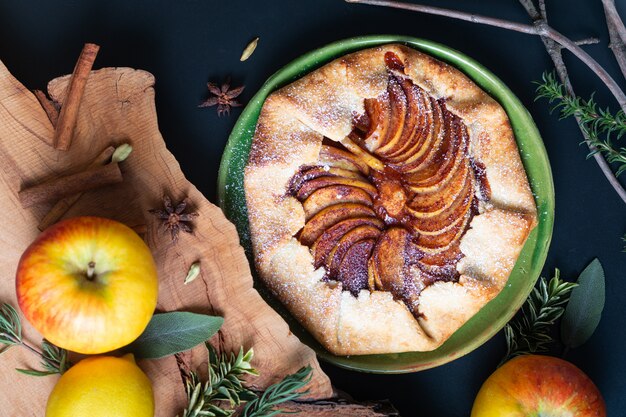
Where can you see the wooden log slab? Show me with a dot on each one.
(118, 107)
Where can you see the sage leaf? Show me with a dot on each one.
(585, 306)
(173, 332)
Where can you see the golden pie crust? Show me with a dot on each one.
(323, 106)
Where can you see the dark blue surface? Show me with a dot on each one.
(186, 43)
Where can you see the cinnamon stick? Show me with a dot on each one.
(71, 184)
(69, 111)
(48, 105)
(62, 206)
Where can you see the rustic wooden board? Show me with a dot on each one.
(118, 107)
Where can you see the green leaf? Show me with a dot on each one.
(173, 332)
(585, 306)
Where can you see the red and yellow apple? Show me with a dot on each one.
(537, 385)
(88, 284)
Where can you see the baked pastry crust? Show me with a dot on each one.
(292, 125)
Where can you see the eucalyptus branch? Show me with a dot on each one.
(53, 359)
(529, 331)
(593, 121)
(554, 43)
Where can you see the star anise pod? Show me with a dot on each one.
(223, 97)
(173, 217)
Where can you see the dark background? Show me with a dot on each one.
(186, 43)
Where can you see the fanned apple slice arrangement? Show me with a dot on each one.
(387, 210)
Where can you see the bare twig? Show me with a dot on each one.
(532, 10)
(554, 50)
(554, 43)
(587, 41)
(456, 14)
(617, 33)
(542, 9)
(540, 28)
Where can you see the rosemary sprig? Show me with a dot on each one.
(10, 327)
(53, 358)
(601, 126)
(225, 384)
(286, 390)
(529, 331)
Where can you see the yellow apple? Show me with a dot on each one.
(88, 284)
(537, 385)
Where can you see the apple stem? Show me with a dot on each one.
(91, 267)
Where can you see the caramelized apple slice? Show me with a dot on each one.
(445, 177)
(331, 236)
(308, 173)
(442, 241)
(433, 243)
(336, 255)
(398, 113)
(444, 272)
(430, 147)
(429, 212)
(436, 157)
(367, 158)
(330, 216)
(413, 122)
(310, 186)
(329, 155)
(373, 279)
(389, 260)
(450, 256)
(435, 225)
(379, 114)
(391, 197)
(333, 194)
(304, 174)
(438, 198)
(438, 173)
(422, 132)
(434, 170)
(353, 268)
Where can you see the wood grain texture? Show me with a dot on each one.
(118, 107)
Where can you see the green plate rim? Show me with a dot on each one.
(535, 160)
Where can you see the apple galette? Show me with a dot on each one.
(387, 200)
